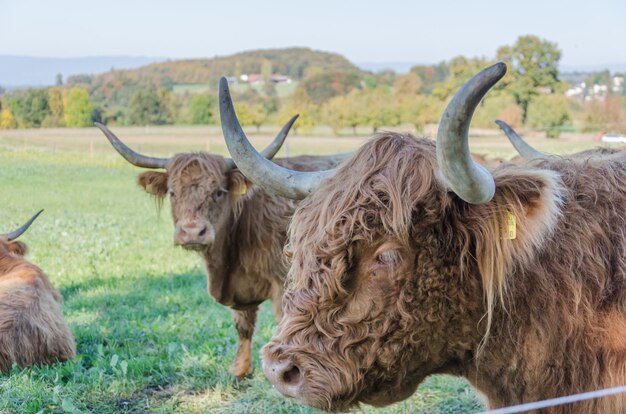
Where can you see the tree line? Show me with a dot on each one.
(530, 95)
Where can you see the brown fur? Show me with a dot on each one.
(244, 261)
(394, 278)
(32, 328)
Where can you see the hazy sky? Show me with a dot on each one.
(588, 32)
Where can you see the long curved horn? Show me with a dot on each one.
(152, 162)
(271, 150)
(129, 155)
(283, 181)
(522, 147)
(275, 145)
(17, 233)
(469, 180)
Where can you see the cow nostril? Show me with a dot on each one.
(292, 376)
(202, 232)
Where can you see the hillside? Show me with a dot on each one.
(292, 62)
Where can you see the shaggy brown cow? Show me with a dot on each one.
(238, 229)
(32, 328)
(404, 265)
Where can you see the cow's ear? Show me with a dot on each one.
(17, 247)
(238, 185)
(154, 183)
(513, 226)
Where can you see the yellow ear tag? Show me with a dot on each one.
(150, 189)
(243, 188)
(510, 231)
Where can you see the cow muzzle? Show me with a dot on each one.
(194, 235)
(285, 376)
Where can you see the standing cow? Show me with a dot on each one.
(238, 229)
(32, 328)
(411, 260)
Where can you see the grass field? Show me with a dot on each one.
(282, 89)
(149, 337)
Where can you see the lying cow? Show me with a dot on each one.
(32, 328)
(238, 229)
(411, 260)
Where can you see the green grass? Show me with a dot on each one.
(282, 89)
(149, 337)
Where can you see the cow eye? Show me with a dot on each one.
(172, 194)
(218, 194)
(387, 258)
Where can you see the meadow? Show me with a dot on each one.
(149, 337)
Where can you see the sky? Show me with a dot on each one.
(588, 32)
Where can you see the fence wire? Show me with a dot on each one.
(553, 402)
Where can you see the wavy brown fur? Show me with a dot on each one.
(394, 279)
(32, 328)
(244, 262)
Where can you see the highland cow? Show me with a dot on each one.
(32, 328)
(410, 260)
(238, 229)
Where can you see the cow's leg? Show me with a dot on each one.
(244, 322)
(277, 303)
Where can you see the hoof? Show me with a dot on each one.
(241, 371)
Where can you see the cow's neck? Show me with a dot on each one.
(218, 261)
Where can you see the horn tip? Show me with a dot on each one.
(500, 67)
(503, 125)
(223, 82)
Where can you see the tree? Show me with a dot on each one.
(345, 112)
(298, 103)
(78, 109)
(7, 121)
(460, 69)
(29, 107)
(149, 107)
(499, 105)
(251, 114)
(55, 103)
(202, 109)
(430, 75)
(606, 115)
(323, 84)
(408, 85)
(533, 64)
(420, 110)
(379, 108)
(549, 112)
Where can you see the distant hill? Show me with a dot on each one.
(25, 71)
(292, 62)
(398, 67)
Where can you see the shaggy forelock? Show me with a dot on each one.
(210, 166)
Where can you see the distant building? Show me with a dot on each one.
(618, 84)
(257, 78)
(596, 92)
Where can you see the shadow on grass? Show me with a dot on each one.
(159, 343)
